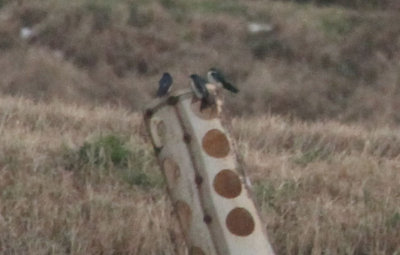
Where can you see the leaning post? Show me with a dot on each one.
(214, 207)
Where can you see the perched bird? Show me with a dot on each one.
(214, 76)
(199, 86)
(164, 85)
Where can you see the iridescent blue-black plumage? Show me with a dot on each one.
(164, 84)
(199, 87)
(215, 76)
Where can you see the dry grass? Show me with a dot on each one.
(322, 188)
(48, 206)
(318, 62)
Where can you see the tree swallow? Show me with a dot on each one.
(164, 85)
(214, 76)
(199, 86)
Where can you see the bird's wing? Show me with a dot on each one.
(203, 89)
(230, 87)
(196, 89)
(163, 85)
(162, 90)
(218, 76)
(169, 80)
(201, 86)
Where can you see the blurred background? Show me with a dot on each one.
(311, 60)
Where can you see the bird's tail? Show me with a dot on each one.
(230, 87)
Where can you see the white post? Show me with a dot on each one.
(214, 207)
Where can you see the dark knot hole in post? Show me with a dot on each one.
(187, 138)
(207, 219)
(198, 180)
(148, 114)
(172, 100)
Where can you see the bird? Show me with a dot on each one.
(216, 77)
(164, 84)
(199, 86)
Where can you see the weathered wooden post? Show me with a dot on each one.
(214, 207)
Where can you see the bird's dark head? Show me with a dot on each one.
(166, 74)
(214, 73)
(194, 76)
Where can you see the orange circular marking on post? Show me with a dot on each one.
(207, 113)
(171, 170)
(184, 214)
(240, 222)
(196, 251)
(227, 184)
(216, 144)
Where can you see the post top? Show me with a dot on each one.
(170, 99)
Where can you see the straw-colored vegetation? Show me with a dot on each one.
(79, 180)
(317, 62)
(315, 122)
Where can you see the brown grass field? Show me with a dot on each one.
(82, 180)
(316, 122)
